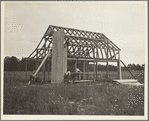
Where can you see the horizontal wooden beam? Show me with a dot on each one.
(81, 59)
(76, 31)
(96, 59)
(83, 38)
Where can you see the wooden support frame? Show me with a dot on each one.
(119, 67)
(48, 67)
(59, 57)
(96, 70)
(107, 69)
(44, 65)
(92, 60)
(82, 38)
(84, 68)
(76, 63)
(94, 65)
(81, 46)
(43, 70)
(128, 69)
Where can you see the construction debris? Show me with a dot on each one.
(131, 82)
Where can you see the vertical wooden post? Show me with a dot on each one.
(94, 62)
(107, 66)
(87, 70)
(87, 74)
(76, 74)
(36, 65)
(44, 65)
(43, 69)
(97, 66)
(107, 72)
(48, 67)
(65, 59)
(84, 66)
(96, 70)
(26, 68)
(84, 69)
(38, 62)
(119, 67)
(75, 65)
(59, 55)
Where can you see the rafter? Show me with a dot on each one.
(80, 44)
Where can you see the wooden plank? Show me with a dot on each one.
(84, 66)
(87, 59)
(105, 52)
(119, 67)
(43, 69)
(48, 68)
(92, 60)
(37, 54)
(75, 47)
(107, 69)
(44, 65)
(110, 52)
(58, 65)
(114, 54)
(93, 50)
(83, 81)
(127, 69)
(101, 53)
(96, 69)
(97, 54)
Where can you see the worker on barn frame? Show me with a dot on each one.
(77, 75)
(67, 76)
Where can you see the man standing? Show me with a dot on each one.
(78, 75)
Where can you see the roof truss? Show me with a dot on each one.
(80, 44)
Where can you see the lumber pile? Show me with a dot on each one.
(130, 82)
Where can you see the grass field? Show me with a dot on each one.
(99, 98)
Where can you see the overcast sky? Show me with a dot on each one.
(124, 23)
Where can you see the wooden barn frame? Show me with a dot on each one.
(78, 45)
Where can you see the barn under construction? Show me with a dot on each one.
(61, 44)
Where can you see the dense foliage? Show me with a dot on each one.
(15, 64)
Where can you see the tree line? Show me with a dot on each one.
(15, 64)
